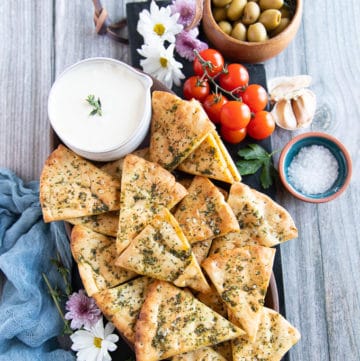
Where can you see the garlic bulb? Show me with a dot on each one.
(295, 105)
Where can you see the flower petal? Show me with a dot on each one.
(88, 354)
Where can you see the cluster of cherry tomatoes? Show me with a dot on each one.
(228, 99)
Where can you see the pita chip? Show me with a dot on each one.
(203, 213)
(203, 354)
(146, 188)
(95, 255)
(177, 128)
(104, 223)
(172, 322)
(241, 277)
(261, 220)
(121, 305)
(162, 251)
(71, 187)
(209, 160)
(274, 338)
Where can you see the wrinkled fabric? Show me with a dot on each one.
(29, 320)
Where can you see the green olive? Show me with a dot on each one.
(283, 24)
(256, 32)
(219, 14)
(286, 12)
(239, 31)
(251, 13)
(235, 10)
(221, 3)
(225, 26)
(271, 4)
(270, 19)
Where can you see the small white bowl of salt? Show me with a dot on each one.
(315, 167)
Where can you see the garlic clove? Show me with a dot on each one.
(283, 115)
(304, 107)
(288, 87)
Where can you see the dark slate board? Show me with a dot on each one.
(257, 75)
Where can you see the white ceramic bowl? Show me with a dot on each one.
(125, 102)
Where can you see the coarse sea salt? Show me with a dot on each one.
(313, 170)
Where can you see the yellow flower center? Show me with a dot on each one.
(163, 62)
(97, 342)
(159, 29)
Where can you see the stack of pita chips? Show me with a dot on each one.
(181, 271)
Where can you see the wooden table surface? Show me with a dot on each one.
(39, 38)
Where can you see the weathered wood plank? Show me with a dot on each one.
(26, 74)
(320, 277)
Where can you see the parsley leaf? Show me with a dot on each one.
(256, 157)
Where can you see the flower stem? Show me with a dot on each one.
(67, 329)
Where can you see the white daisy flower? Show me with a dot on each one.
(158, 23)
(93, 343)
(161, 64)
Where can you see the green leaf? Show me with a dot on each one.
(246, 167)
(253, 151)
(265, 176)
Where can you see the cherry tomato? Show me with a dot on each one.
(235, 115)
(236, 77)
(233, 136)
(213, 104)
(261, 125)
(212, 56)
(195, 88)
(256, 97)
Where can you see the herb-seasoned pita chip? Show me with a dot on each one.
(104, 223)
(121, 305)
(146, 187)
(261, 220)
(162, 251)
(274, 338)
(71, 187)
(95, 255)
(201, 250)
(208, 160)
(177, 128)
(213, 300)
(173, 322)
(203, 354)
(230, 163)
(203, 213)
(115, 168)
(241, 277)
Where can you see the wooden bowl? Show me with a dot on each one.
(248, 52)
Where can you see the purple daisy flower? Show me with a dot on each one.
(82, 310)
(186, 9)
(187, 42)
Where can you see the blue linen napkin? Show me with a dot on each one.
(29, 321)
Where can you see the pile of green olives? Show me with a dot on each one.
(251, 20)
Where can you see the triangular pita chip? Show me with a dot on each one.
(274, 338)
(146, 187)
(208, 160)
(224, 349)
(95, 255)
(262, 221)
(241, 276)
(161, 251)
(70, 187)
(104, 223)
(213, 300)
(177, 128)
(230, 163)
(173, 322)
(201, 250)
(121, 305)
(203, 354)
(115, 168)
(203, 213)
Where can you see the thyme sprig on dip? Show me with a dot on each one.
(96, 104)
